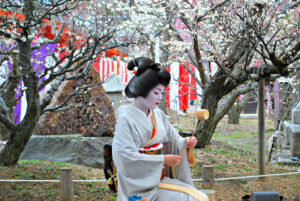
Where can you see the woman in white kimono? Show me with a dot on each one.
(145, 145)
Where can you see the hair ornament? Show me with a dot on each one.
(135, 69)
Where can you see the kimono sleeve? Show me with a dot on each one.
(136, 172)
(177, 144)
(176, 141)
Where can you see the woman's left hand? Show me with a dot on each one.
(190, 143)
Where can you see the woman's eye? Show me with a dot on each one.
(155, 93)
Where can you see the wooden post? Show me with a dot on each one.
(261, 127)
(208, 176)
(66, 185)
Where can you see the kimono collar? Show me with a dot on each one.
(153, 130)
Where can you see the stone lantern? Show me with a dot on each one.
(292, 133)
(114, 88)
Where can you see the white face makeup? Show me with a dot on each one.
(154, 96)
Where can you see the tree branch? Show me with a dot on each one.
(198, 60)
(199, 18)
(46, 41)
(54, 87)
(193, 75)
(5, 116)
(225, 70)
(7, 35)
(78, 91)
(227, 101)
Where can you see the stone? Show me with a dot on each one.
(285, 157)
(116, 99)
(75, 149)
(292, 137)
(287, 132)
(93, 117)
(296, 114)
(114, 88)
(113, 84)
(295, 139)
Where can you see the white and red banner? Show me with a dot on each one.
(106, 66)
(181, 89)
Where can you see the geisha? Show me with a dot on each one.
(146, 148)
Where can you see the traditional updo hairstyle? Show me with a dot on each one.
(147, 77)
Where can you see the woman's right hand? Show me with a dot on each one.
(172, 160)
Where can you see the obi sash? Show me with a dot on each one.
(154, 149)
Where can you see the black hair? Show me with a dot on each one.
(148, 76)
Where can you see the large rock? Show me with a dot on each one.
(94, 116)
(66, 148)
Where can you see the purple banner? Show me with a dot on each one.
(38, 63)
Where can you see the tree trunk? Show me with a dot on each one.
(14, 147)
(235, 111)
(20, 135)
(233, 115)
(218, 88)
(164, 59)
(9, 98)
(18, 139)
(4, 133)
(207, 127)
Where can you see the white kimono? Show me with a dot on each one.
(140, 174)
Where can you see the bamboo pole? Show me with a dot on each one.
(261, 127)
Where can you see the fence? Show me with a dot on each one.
(207, 180)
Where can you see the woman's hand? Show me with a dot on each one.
(172, 160)
(190, 143)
